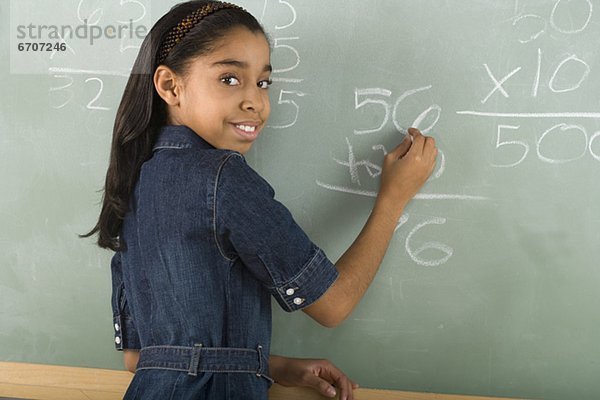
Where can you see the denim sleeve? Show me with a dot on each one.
(252, 225)
(126, 336)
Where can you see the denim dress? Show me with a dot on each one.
(206, 245)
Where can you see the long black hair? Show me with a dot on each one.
(142, 111)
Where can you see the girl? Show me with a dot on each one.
(201, 244)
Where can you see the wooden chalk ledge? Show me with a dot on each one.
(50, 382)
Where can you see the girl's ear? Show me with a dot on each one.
(166, 84)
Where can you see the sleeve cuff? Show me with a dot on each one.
(125, 333)
(309, 285)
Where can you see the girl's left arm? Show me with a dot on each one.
(320, 375)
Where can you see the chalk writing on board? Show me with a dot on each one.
(69, 80)
(383, 103)
(294, 14)
(284, 45)
(498, 83)
(552, 85)
(415, 253)
(142, 12)
(89, 13)
(78, 71)
(393, 109)
(373, 169)
(559, 6)
(62, 94)
(91, 18)
(509, 135)
(418, 196)
(539, 24)
(92, 104)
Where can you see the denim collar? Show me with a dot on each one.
(179, 137)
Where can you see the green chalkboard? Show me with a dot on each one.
(490, 285)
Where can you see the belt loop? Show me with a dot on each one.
(260, 361)
(195, 360)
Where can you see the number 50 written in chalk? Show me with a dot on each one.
(381, 98)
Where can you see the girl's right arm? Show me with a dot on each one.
(405, 170)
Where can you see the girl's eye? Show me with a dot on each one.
(265, 84)
(230, 80)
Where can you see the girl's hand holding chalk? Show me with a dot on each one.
(406, 169)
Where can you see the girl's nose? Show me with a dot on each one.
(254, 100)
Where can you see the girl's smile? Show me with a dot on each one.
(248, 130)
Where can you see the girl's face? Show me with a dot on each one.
(224, 96)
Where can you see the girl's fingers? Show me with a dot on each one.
(429, 145)
(401, 150)
(413, 142)
(418, 142)
(331, 374)
(321, 385)
(424, 146)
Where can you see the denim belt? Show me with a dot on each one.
(204, 359)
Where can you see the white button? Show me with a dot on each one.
(290, 292)
(118, 340)
(117, 327)
(298, 301)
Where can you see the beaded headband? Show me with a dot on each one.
(177, 34)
